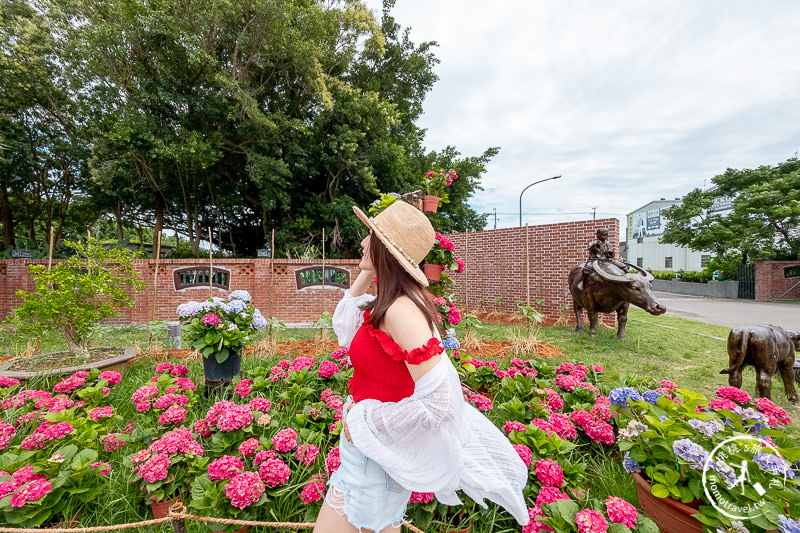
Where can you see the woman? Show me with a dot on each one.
(406, 426)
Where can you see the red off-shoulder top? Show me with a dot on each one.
(379, 369)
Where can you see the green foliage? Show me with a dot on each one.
(74, 295)
(765, 210)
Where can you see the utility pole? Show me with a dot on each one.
(594, 213)
(495, 218)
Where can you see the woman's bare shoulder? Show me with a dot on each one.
(406, 324)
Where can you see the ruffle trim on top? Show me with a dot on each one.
(416, 356)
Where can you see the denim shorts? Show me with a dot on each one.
(363, 492)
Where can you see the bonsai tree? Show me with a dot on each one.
(74, 295)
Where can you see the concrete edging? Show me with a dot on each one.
(714, 289)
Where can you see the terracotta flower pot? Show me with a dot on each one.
(161, 509)
(430, 203)
(433, 272)
(671, 516)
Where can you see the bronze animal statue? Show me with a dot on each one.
(767, 348)
(608, 289)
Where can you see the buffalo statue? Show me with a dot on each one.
(607, 288)
(767, 348)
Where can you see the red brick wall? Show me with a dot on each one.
(529, 264)
(253, 275)
(771, 282)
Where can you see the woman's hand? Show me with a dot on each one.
(345, 430)
(361, 284)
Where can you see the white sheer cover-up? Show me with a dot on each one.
(434, 441)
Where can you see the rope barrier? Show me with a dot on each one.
(177, 511)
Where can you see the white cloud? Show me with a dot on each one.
(630, 101)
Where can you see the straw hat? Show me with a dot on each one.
(407, 234)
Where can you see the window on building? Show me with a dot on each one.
(704, 260)
(667, 262)
(639, 262)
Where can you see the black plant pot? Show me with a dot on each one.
(219, 375)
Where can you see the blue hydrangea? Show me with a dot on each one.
(726, 473)
(451, 343)
(706, 427)
(691, 452)
(620, 395)
(241, 294)
(788, 525)
(757, 428)
(774, 464)
(259, 321)
(652, 396)
(663, 418)
(188, 309)
(750, 414)
(237, 306)
(630, 465)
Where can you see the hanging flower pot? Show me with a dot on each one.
(430, 203)
(433, 272)
(161, 509)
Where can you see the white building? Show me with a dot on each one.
(644, 247)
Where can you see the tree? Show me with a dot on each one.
(762, 223)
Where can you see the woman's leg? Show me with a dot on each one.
(330, 521)
(391, 529)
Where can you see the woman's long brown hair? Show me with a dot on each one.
(393, 282)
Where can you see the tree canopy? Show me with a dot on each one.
(755, 212)
(241, 116)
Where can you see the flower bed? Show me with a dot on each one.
(265, 451)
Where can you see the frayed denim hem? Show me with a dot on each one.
(338, 499)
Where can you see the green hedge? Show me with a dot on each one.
(691, 276)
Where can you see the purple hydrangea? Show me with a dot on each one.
(188, 309)
(788, 525)
(691, 452)
(259, 321)
(706, 427)
(652, 396)
(620, 395)
(630, 465)
(237, 306)
(726, 473)
(774, 464)
(750, 414)
(240, 295)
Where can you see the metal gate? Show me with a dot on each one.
(746, 274)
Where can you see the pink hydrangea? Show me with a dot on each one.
(722, 403)
(212, 319)
(334, 401)
(104, 468)
(235, 417)
(601, 409)
(544, 425)
(164, 367)
(186, 384)
(339, 353)
(307, 454)
(202, 429)
(602, 433)
(481, 402)
(669, 385)
(276, 374)
(175, 414)
(590, 521)
(31, 491)
(549, 473)
(260, 404)
(144, 393)
(549, 495)
(72, 383)
(554, 401)
(454, 316)
(300, 362)
(8, 382)
(179, 370)
(141, 455)
(597, 368)
(155, 468)
(263, 455)
(285, 440)
(524, 453)
(563, 426)
(534, 526)
(225, 467)
(621, 512)
(733, 393)
(248, 448)
(56, 404)
(162, 402)
(333, 461)
(327, 369)
(775, 414)
(421, 497)
(111, 377)
(568, 382)
(445, 243)
(274, 472)
(177, 441)
(141, 407)
(512, 425)
(313, 491)
(565, 368)
(111, 442)
(244, 388)
(244, 489)
(101, 412)
(6, 432)
(460, 267)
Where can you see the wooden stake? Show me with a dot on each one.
(50, 252)
(211, 264)
(271, 268)
(466, 277)
(155, 277)
(527, 266)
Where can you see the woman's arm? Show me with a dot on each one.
(361, 284)
(409, 328)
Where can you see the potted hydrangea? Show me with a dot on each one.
(435, 183)
(219, 329)
(724, 461)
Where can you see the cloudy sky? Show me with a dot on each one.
(629, 101)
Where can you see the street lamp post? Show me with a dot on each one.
(528, 187)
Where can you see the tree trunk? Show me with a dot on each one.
(7, 219)
(159, 223)
(77, 346)
(118, 218)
